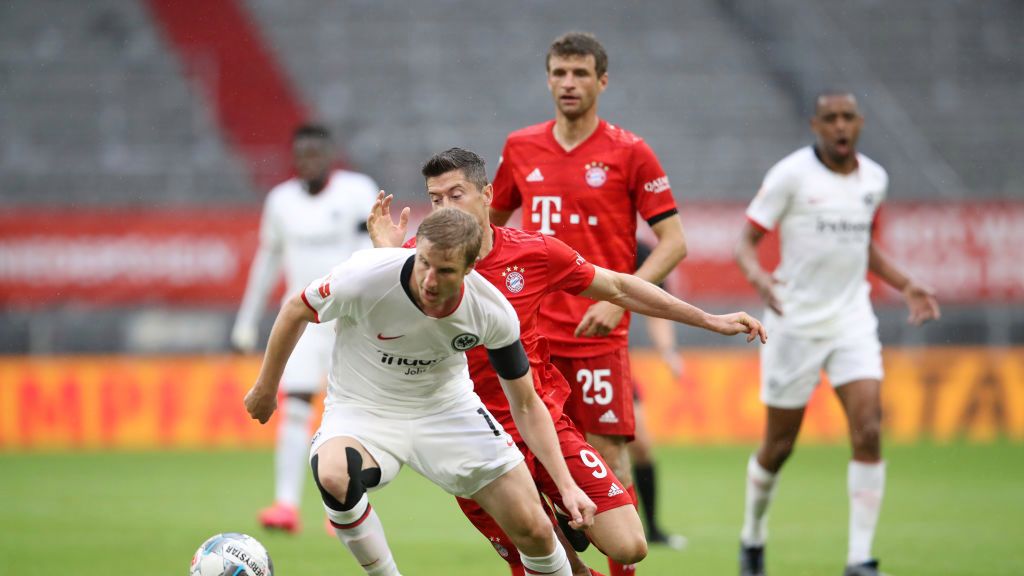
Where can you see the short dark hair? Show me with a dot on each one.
(827, 92)
(471, 164)
(579, 44)
(311, 130)
(450, 229)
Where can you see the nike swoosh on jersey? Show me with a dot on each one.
(383, 337)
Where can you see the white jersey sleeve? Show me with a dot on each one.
(503, 322)
(772, 200)
(336, 295)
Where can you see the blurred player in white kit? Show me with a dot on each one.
(310, 223)
(824, 201)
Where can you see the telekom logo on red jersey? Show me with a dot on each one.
(550, 212)
(546, 216)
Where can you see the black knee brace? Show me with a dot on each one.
(358, 481)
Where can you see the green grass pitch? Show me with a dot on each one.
(949, 510)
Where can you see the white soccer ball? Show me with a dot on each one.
(231, 554)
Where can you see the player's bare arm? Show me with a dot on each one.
(261, 400)
(534, 423)
(602, 317)
(384, 232)
(265, 270)
(645, 298)
(761, 280)
(920, 299)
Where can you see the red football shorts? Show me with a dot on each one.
(602, 393)
(588, 469)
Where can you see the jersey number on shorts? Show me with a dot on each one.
(592, 461)
(490, 422)
(596, 390)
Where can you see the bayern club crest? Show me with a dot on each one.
(596, 174)
(514, 279)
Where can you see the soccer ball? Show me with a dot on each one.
(231, 554)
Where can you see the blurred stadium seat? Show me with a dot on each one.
(96, 109)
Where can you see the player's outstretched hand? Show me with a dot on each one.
(579, 507)
(382, 228)
(260, 405)
(739, 323)
(600, 319)
(922, 303)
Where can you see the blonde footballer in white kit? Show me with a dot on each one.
(823, 200)
(399, 392)
(309, 224)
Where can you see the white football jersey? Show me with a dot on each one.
(825, 221)
(316, 232)
(390, 355)
(307, 235)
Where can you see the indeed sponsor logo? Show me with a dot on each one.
(413, 366)
(842, 225)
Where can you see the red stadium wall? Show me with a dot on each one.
(967, 251)
(196, 402)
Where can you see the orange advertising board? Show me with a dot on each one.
(60, 403)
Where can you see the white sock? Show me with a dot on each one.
(554, 564)
(760, 489)
(865, 485)
(361, 531)
(292, 456)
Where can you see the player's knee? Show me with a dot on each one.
(533, 534)
(333, 483)
(867, 436)
(777, 452)
(628, 550)
(342, 487)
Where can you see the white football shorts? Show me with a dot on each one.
(461, 449)
(791, 365)
(306, 370)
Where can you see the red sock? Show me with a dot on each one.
(595, 573)
(614, 568)
(517, 569)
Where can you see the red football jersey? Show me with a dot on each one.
(526, 267)
(588, 198)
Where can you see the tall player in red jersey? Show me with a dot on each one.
(583, 180)
(527, 267)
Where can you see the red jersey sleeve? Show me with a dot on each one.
(649, 184)
(410, 243)
(567, 270)
(506, 195)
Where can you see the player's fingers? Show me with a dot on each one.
(582, 327)
(403, 218)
